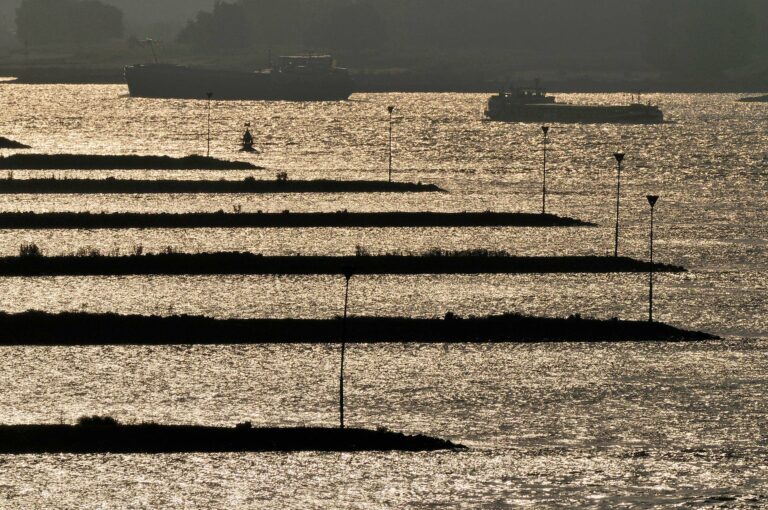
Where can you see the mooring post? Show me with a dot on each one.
(619, 159)
(545, 130)
(652, 199)
(391, 110)
(347, 277)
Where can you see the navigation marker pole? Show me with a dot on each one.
(545, 130)
(652, 199)
(209, 94)
(390, 109)
(619, 159)
(347, 277)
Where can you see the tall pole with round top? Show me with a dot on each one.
(545, 130)
(652, 199)
(619, 159)
(391, 110)
(347, 277)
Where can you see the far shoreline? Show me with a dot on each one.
(414, 82)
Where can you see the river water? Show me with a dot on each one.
(577, 425)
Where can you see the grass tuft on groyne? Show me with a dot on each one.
(97, 434)
(77, 328)
(117, 162)
(249, 185)
(286, 219)
(31, 262)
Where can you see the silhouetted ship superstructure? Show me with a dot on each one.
(534, 105)
(296, 78)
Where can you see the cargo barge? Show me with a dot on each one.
(534, 105)
(295, 78)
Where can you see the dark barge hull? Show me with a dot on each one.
(180, 82)
(571, 114)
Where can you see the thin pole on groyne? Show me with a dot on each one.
(347, 277)
(545, 130)
(619, 159)
(209, 94)
(391, 110)
(652, 199)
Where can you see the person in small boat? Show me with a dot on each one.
(247, 138)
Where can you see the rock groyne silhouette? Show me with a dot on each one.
(118, 162)
(249, 185)
(41, 328)
(221, 263)
(6, 143)
(106, 435)
(286, 219)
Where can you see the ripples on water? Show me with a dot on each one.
(568, 425)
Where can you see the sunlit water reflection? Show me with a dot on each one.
(567, 425)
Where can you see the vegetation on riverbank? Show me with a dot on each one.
(41, 328)
(286, 219)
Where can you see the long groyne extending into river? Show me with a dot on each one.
(221, 263)
(286, 219)
(249, 185)
(41, 328)
(118, 162)
(105, 435)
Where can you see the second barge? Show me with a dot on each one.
(534, 105)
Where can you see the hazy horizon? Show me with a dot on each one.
(716, 43)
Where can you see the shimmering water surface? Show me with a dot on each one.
(577, 425)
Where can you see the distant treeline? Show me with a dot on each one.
(439, 44)
(670, 35)
(67, 21)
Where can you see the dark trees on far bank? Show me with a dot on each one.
(326, 24)
(709, 36)
(227, 26)
(40, 22)
(685, 37)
